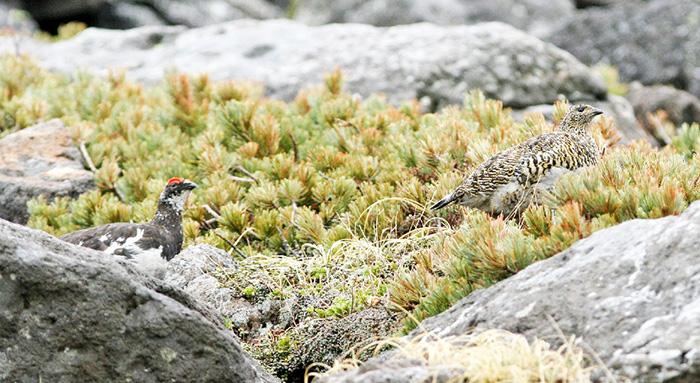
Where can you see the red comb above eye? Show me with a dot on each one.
(174, 180)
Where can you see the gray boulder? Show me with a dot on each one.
(654, 43)
(195, 271)
(680, 105)
(393, 371)
(434, 64)
(70, 314)
(39, 160)
(631, 292)
(198, 261)
(532, 16)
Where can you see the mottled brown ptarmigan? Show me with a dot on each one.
(509, 181)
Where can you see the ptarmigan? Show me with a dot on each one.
(149, 246)
(509, 181)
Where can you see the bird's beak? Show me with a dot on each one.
(189, 185)
(597, 112)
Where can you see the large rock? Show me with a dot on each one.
(655, 42)
(70, 314)
(680, 105)
(631, 292)
(194, 270)
(434, 64)
(532, 16)
(39, 160)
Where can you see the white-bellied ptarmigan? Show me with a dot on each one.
(150, 245)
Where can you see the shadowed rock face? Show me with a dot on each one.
(631, 292)
(654, 42)
(680, 105)
(123, 14)
(39, 160)
(70, 314)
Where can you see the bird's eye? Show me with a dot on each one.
(581, 109)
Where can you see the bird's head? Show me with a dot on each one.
(578, 117)
(176, 192)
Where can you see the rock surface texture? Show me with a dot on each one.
(654, 42)
(532, 16)
(434, 64)
(39, 160)
(194, 269)
(631, 292)
(70, 314)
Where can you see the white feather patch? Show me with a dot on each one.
(128, 244)
(498, 200)
(178, 201)
(150, 261)
(548, 179)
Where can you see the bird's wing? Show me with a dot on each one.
(491, 174)
(155, 237)
(541, 154)
(101, 237)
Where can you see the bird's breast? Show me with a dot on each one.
(150, 261)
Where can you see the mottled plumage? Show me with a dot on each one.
(509, 181)
(149, 246)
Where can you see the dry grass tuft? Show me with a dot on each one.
(488, 357)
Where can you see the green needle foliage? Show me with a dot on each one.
(327, 195)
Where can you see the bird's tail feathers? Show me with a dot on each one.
(443, 202)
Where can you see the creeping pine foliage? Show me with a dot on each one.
(327, 195)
